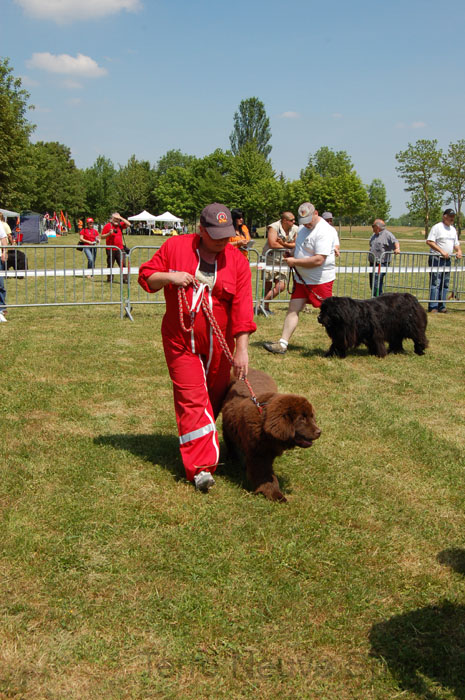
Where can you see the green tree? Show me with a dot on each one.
(378, 206)
(419, 166)
(252, 185)
(295, 192)
(327, 163)
(251, 125)
(452, 177)
(100, 188)
(211, 175)
(332, 184)
(15, 130)
(57, 184)
(176, 193)
(134, 183)
(171, 159)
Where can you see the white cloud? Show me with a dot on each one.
(74, 101)
(336, 115)
(83, 66)
(62, 11)
(290, 115)
(418, 125)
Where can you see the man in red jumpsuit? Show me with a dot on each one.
(198, 367)
(113, 234)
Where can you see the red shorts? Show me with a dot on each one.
(313, 293)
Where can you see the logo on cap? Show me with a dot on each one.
(221, 217)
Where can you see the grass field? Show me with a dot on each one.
(120, 581)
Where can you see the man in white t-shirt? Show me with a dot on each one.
(314, 267)
(443, 241)
(3, 259)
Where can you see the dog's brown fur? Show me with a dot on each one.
(286, 421)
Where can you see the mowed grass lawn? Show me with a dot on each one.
(118, 580)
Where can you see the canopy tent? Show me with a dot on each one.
(143, 216)
(168, 218)
(6, 213)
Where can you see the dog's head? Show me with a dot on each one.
(330, 312)
(290, 419)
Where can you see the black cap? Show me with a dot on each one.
(449, 212)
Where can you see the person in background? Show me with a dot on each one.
(7, 229)
(112, 233)
(315, 271)
(443, 241)
(242, 236)
(3, 261)
(206, 267)
(382, 241)
(89, 239)
(280, 237)
(328, 216)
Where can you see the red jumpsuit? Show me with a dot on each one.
(198, 367)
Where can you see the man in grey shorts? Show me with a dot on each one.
(280, 236)
(382, 241)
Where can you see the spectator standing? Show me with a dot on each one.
(328, 217)
(241, 232)
(281, 236)
(443, 241)
(315, 271)
(7, 229)
(112, 233)
(382, 241)
(89, 239)
(198, 367)
(3, 265)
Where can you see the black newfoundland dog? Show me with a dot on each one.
(388, 318)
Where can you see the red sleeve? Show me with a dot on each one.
(158, 263)
(242, 305)
(107, 228)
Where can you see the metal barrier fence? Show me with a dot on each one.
(58, 275)
(61, 275)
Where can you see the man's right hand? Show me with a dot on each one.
(181, 279)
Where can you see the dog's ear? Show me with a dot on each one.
(279, 419)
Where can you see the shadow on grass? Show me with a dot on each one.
(424, 650)
(155, 448)
(454, 559)
(164, 450)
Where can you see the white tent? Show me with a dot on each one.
(168, 218)
(143, 216)
(6, 213)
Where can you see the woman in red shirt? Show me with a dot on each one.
(89, 238)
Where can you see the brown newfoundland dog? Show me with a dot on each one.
(286, 421)
(388, 318)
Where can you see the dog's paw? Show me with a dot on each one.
(270, 489)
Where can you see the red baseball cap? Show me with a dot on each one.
(89, 220)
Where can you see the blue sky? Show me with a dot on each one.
(117, 77)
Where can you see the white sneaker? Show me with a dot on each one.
(3, 320)
(204, 481)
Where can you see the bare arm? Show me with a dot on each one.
(312, 261)
(434, 246)
(275, 242)
(458, 251)
(241, 355)
(158, 280)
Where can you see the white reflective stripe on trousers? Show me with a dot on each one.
(195, 434)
